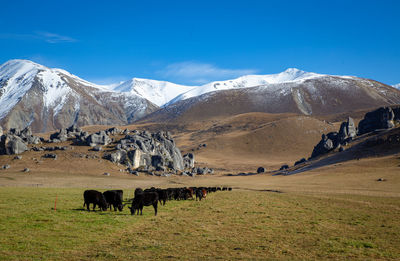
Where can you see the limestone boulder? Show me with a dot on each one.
(11, 144)
(99, 138)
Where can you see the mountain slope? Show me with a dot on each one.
(320, 95)
(47, 99)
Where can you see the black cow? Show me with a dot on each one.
(96, 198)
(162, 195)
(201, 193)
(114, 198)
(144, 199)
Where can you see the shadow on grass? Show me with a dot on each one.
(101, 212)
(264, 190)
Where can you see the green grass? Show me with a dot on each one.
(227, 225)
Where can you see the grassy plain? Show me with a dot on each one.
(242, 224)
(337, 211)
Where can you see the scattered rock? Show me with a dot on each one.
(106, 174)
(6, 166)
(303, 160)
(260, 170)
(99, 138)
(18, 157)
(26, 170)
(381, 179)
(113, 131)
(50, 156)
(201, 171)
(188, 160)
(60, 136)
(283, 167)
(26, 135)
(97, 148)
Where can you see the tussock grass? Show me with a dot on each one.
(227, 225)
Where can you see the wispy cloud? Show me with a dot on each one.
(40, 36)
(200, 73)
(54, 38)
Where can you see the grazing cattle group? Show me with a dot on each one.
(147, 197)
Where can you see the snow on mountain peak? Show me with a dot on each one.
(16, 78)
(397, 86)
(158, 92)
(289, 75)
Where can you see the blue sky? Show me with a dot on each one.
(193, 42)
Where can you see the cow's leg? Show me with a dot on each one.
(155, 208)
(94, 206)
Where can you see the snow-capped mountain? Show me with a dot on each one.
(47, 99)
(311, 95)
(397, 86)
(290, 75)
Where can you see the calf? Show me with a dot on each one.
(114, 198)
(144, 199)
(96, 198)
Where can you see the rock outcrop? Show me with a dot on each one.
(99, 138)
(382, 118)
(347, 130)
(16, 141)
(72, 132)
(12, 144)
(188, 160)
(334, 140)
(142, 149)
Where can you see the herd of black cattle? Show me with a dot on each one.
(147, 197)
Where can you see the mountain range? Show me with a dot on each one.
(47, 98)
